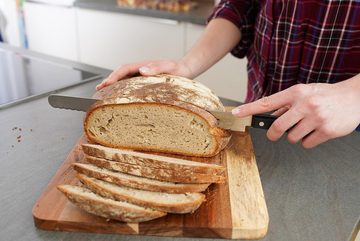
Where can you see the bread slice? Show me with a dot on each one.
(158, 113)
(165, 202)
(127, 180)
(171, 175)
(150, 160)
(108, 208)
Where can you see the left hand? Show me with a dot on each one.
(314, 112)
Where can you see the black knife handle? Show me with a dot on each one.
(262, 121)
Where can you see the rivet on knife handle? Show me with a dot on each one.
(262, 121)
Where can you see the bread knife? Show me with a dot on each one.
(226, 120)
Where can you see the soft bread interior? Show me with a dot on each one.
(108, 208)
(124, 179)
(151, 127)
(165, 198)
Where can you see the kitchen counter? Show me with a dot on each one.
(310, 194)
(197, 15)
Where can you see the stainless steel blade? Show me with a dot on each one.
(228, 121)
(71, 103)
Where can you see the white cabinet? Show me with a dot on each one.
(8, 9)
(51, 29)
(228, 78)
(110, 39)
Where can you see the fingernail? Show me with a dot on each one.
(145, 70)
(235, 111)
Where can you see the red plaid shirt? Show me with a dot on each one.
(294, 41)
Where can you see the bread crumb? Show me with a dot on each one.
(19, 140)
(14, 128)
(18, 137)
(19, 129)
(31, 130)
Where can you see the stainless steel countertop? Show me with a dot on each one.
(310, 194)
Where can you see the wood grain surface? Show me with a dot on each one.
(233, 210)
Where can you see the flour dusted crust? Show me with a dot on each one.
(160, 174)
(161, 88)
(123, 179)
(108, 208)
(168, 91)
(179, 165)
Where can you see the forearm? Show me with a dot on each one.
(352, 84)
(219, 37)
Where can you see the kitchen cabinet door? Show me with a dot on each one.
(51, 29)
(8, 9)
(228, 78)
(111, 39)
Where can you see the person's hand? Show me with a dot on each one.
(147, 68)
(313, 113)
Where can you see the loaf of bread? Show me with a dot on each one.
(132, 181)
(108, 208)
(161, 113)
(165, 202)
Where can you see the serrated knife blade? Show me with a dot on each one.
(71, 102)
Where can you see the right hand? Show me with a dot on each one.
(147, 68)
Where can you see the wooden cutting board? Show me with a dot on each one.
(235, 210)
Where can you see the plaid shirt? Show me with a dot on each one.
(294, 41)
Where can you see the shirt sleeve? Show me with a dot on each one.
(242, 13)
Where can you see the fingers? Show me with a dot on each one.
(273, 102)
(280, 111)
(158, 67)
(144, 68)
(301, 130)
(314, 139)
(107, 81)
(120, 73)
(283, 123)
(264, 104)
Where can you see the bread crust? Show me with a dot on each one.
(160, 174)
(150, 160)
(139, 182)
(109, 209)
(187, 206)
(193, 97)
(161, 88)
